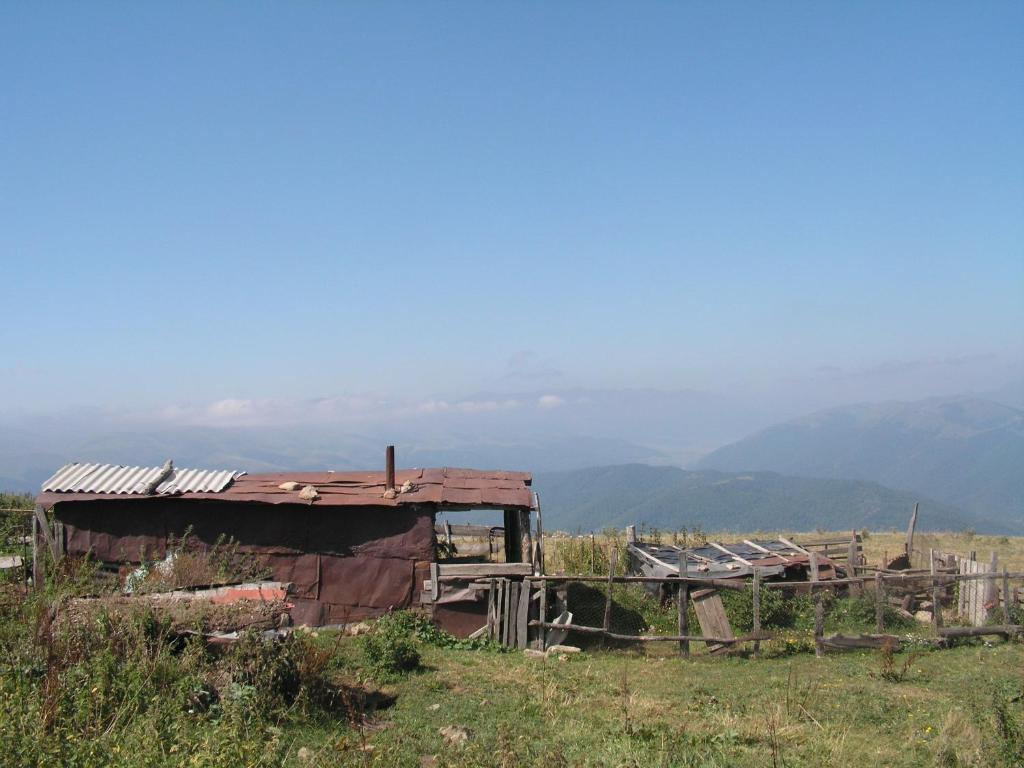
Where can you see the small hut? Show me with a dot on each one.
(353, 545)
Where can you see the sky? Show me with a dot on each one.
(207, 208)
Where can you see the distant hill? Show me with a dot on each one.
(669, 497)
(966, 452)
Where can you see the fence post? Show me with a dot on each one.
(1006, 597)
(593, 555)
(851, 564)
(757, 608)
(819, 608)
(608, 600)
(542, 635)
(936, 593)
(683, 605)
(879, 603)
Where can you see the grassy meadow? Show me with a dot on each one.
(123, 689)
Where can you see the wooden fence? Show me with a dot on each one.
(518, 611)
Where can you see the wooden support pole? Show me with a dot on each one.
(593, 554)
(908, 547)
(936, 594)
(991, 591)
(879, 603)
(540, 535)
(757, 608)
(819, 608)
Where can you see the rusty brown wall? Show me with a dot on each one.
(345, 564)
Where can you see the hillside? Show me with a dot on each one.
(669, 498)
(965, 452)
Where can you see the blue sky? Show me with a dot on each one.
(221, 201)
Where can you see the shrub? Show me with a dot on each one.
(390, 648)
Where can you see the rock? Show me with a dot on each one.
(556, 649)
(925, 617)
(305, 754)
(434, 707)
(390, 493)
(454, 735)
(406, 487)
(291, 485)
(362, 628)
(534, 654)
(309, 493)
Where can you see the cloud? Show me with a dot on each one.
(549, 401)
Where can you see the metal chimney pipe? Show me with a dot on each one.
(389, 468)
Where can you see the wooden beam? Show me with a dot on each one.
(733, 555)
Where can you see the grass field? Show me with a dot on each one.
(121, 691)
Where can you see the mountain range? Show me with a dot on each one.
(670, 498)
(966, 452)
(962, 456)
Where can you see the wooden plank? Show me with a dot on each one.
(483, 570)
(492, 592)
(846, 642)
(790, 544)
(542, 633)
(707, 604)
(766, 551)
(44, 528)
(523, 614)
(510, 616)
(936, 594)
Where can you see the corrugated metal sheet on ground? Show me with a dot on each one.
(120, 479)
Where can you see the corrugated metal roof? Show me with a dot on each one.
(449, 488)
(120, 479)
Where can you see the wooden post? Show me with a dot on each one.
(542, 634)
(608, 600)
(631, 534)
(1006, 597)
(593, 555)
(683, 600)
(540, 535)
(523, 615)
(448, 534)
(37, 564)
(909, 546)
(992, 591)
(879, 603)
(757, 608)
(819, 609)
(936, 593)
(389, 468)
(491, 593)
(525, 537)
(851, 563)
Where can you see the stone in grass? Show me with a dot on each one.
(454, 735)
(534, 654)
(555, 650)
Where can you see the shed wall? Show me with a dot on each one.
(345, 564)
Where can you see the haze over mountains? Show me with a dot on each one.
(604, 457)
